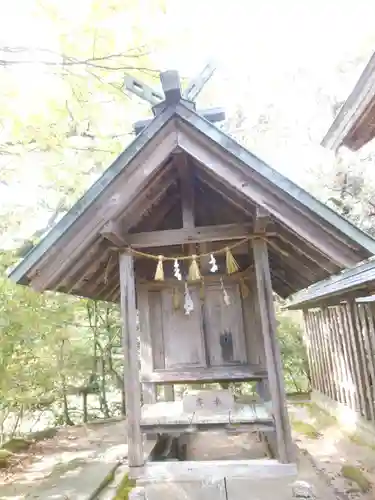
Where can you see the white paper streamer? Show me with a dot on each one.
(188, 304)
(226, 297)
(214, 266)
(177, 272)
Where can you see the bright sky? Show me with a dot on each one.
(274, 57)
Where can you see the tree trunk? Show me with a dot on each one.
(84, 406)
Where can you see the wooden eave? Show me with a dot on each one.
(354, 126)
(142, 185)
(358, 281)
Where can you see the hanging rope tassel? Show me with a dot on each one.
(194, 273)
(244, 289)
(231, 263)
(159, 273)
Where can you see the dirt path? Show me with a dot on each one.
(334, 452)
(329, 448)
(68, 452)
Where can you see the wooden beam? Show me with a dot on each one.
(208, 179)
(109, 205)
(112, 232)
(272, 351)
(131, 364)
(254, 187)
(262, 219)
(187, 192)
(170, 81)
(159, 213)
(188, 235)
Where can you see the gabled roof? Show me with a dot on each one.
(317, 235)
(354, 125)
(359, 281)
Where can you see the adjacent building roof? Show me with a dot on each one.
(354, 126)
(312, 241)
(358, 281)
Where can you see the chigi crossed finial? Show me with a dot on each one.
(172, 94)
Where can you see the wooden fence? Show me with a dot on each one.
(341, 349)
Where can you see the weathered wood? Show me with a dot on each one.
(187, 235)
(112, 231)
(147, 365)
(117, 197)
(206, 375)
(156, 330)
(337, 355)
(187, 192)
(158, 214)
(308, 341)
(343, 327)
(326, 381)
(331, 351)
(142, 90)
(165, 414)
(148, 198)
(353, 355)
(371, 346)
(365, 376)
(245, 182)
(131, 364)
(328, 353)
(170, 81)
(368, 356)
(224, 326)
(252, 324)
(274, 369)
(182, 334)
(196, 85)
(262, 219)
(356, 350)
(213, 400)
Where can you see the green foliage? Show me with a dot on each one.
(322, 418)
(293, 351)
(54, 347)
(5, 457)
(306, 429)
(353, 473)
(124, 488)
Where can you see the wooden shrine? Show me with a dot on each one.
(192, 234)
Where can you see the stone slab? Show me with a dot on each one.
(259, 489)
(79, 484)
(155, 472)
(207, 489)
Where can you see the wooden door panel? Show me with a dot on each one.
(183, 334)
(224, 326)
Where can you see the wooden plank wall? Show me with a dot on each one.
(340, 344)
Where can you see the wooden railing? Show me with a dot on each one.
(341, 349)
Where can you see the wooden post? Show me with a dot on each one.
(361, 372)
(131, 362)
(272, 351)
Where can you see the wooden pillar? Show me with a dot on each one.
(131, 362)
(272, 351)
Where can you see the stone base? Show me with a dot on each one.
(349, 420)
